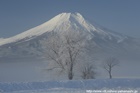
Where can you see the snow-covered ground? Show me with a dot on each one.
(75, 86)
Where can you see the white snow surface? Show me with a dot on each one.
(74, 86)
(60, 23)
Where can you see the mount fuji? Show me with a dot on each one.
(65, 22)
(29, 42)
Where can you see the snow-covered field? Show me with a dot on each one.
(74, 86)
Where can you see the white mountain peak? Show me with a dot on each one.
(60, 23)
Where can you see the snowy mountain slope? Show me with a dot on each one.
(33, 41)
(65, 22)
(1, 38)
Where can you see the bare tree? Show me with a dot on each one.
(73, 49)
(109, 64)
(88, 72)
(55, 52)
(63, 51)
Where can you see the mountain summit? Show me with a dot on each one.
(61, 22)
(65, 22)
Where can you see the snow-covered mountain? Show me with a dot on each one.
(65, 22)
(30, 41)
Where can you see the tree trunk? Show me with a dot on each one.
(70, 73)
(110, 75)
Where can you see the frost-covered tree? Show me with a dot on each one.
(109, 64)
(64, 50)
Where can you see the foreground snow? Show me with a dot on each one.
(85, 86)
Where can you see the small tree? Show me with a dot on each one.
(109, 64)
(88, 72)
